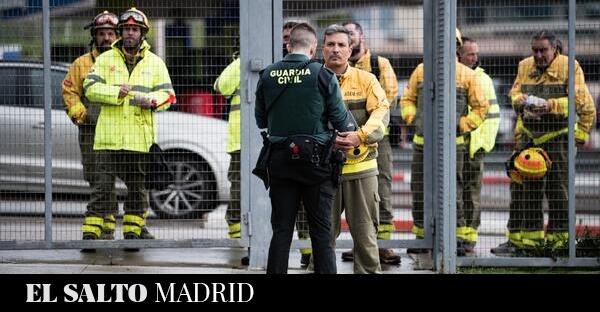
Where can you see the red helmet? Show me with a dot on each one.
(104, 20)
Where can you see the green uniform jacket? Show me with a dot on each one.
(289, 101)
(122, 126)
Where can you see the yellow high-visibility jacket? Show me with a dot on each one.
(72, 88)
(367, 102)
(553, 86)
(484, 137)
(471, 103)
(122, 126)
(387, 78)
(228, 84)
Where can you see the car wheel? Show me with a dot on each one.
(192, 195)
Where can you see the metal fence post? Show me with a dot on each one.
(256, 34)
(47, 123)
(572, 149)
(443, 117)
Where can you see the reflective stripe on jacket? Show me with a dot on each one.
(471, 103)
(122, 126)
(367, 102)
(72, 87)
(484, 137)
(228, 84)
(387, 78)
(552, 85)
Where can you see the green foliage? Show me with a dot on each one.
(588, 245)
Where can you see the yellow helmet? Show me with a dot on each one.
(357, 154)
(530, 164)
(134, 17)
(459, 41)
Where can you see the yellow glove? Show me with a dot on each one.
(465, 124)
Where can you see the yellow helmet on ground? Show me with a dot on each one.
(530, 164)
(357, 154)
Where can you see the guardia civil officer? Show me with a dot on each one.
(296, 98)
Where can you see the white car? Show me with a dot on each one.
(195, 147)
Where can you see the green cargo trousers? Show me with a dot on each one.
(384, 180)
(233, 213)
(417, 188)
(359, 200)
(90, 174)
(130, 168)
(526, 212)
(472, 174)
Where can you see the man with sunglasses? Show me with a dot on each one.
(540, 98)
(130, 83)
(84, 114)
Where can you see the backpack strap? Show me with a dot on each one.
(375, 65)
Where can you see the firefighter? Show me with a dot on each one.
(130, 83)
(481, 141)
(358, 193)
(540, 99)
(362, 58)
(84, 114)
(295, 100)
(228, 84)
(471, 108)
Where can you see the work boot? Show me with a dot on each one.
(387, 256)
(145, 234)
(464, 248)
(507, 249)
(107, 234)
(348, 255)
(304, 260)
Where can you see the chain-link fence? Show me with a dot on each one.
(91, 175)
(512, 179)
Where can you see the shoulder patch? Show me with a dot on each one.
(67, 83)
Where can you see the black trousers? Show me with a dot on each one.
(318, 201)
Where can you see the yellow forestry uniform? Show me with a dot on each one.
(72, 89)
(526, 224)
(472, 107)
(357, 194)
(481, 141)
(84, 114)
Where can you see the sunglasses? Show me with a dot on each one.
(135, 15)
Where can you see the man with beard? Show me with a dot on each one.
(130, 83)
(482, 141)
(357, 194)
(539, 97)
(362, 58)
(84, 114)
